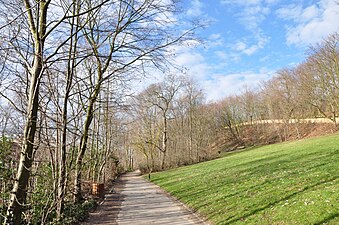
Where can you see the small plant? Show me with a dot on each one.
(6, 169)
(75, 213)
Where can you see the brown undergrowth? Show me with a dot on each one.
(263, 134)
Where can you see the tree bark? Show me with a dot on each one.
(164, 140)
(19, 191)
(83, 143)
(69, 80)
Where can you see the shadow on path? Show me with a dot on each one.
(137, 201)
(107, 213)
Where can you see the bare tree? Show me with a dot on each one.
(159, 99)
(323, 66)
(37, 20)
(32, 27)
(70, 72)
(132, 35)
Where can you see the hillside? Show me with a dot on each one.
(289, 183)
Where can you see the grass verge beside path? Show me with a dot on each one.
(289, 183)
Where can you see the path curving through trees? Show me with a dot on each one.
(136, 201)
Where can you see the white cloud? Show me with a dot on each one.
(214, 37)
(242, 47)
(272, 2)
(214, 40)
(215, 85)
(194, 62)
(251, 50)
(310, 13)
(310, 24)
(221, 55)
(241, 2)
(289, 12)
(222, 85)
(196, 8)
(296, 13)
(249, 2)
(189, 59)
(252, 16)
(251, 12)
(264, 59)
(218, 85)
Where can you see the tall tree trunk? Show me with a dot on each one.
(19, 191)
(69, 80)
(190, 133)
(108, 139)
(83, 142)
(164, 140)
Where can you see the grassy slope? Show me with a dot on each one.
(289, 183)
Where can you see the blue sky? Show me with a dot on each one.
(248, 41)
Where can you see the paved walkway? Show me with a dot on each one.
(139, 202)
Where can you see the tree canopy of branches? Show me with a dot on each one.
(57, 57)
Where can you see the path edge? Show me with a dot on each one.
(199, 219)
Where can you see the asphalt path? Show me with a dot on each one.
(136, 201)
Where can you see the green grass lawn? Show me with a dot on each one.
(289, 183)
